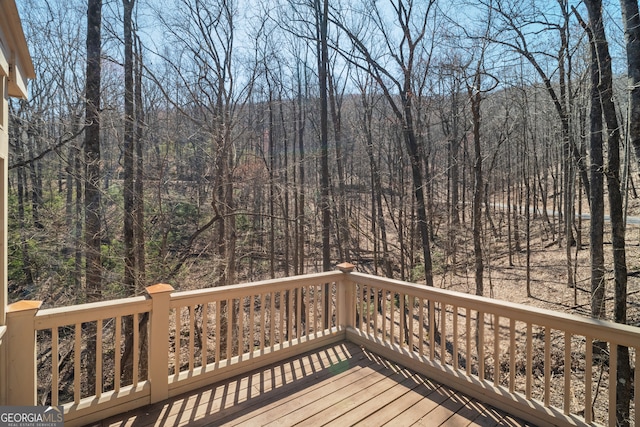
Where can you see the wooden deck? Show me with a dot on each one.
(337, 385)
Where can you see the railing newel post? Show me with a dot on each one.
(20, 348)
(159, 341)
(346, 294)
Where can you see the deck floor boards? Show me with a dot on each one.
(338, 385)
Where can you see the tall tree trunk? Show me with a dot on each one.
(132, 199)
(92, 199)
(285, 204)
(229, 202)
(272, 187)
(377, 215)
(605, 88)
(418, 192)
(128, 189)
(139, 237)
(597, 192)
(342, 222)
(475, 98)
(322, 11)
(631, 19)
(567, 166)
(454, 174)
(301, 184)
(77, 232)
(21, 192)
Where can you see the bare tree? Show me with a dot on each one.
(211, 97)
(130, 274)
(602, 80)
(92, 195)
(411, 19)
(365, 120)
(514, 23)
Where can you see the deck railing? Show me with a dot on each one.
(175, 341)
(547, 367)
(101, 359)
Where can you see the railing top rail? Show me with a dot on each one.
(252, 288)
(595, 328)
(61, 316)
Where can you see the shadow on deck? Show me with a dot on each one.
(340, 384)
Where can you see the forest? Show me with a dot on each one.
(233, 144)
(204, 143)
(211, 142)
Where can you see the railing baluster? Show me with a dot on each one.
(613, 382)
(384, 314)
(392, 323)
(77, 366)
(307, 308)
(512, 355)
(320, 306)
(529, 352)
(272, 310)
(289, 312)
(98, 357)
(468, 331)
(367, 310)
(117, 348)
(358, 305)
(55, 361)
(361, 314)
(241, 303)
(411, 308)
(432, 329)
(376, 309)
(588, 376)
(281, 310)
(456, 365)
(230, 310)
(402, 320)
(421, 326)
(313, 298)
(547, 365)
(496, 350)
(480, 344)
(317, 307)
(251, 325)
(192, 341)
(218, 318)
(443, 333)
(299, 312)
(178, 340)
(205, 322)
(263, 322)
(567, 372)
(136, 348)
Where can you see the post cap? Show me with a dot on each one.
(346, 267)
(24, 305)
(159, 289)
